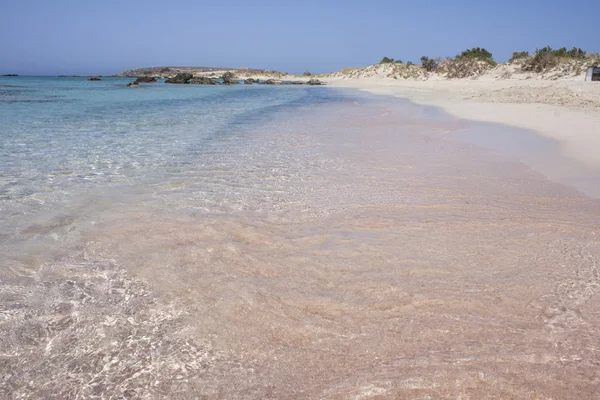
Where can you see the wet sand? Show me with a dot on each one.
(368, 253)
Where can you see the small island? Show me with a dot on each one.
(10, 75)
(205, 76)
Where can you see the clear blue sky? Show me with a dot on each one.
(109, 36)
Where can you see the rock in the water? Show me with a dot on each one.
(272, 82)
(314, 82)
(250, 81)
(133, 84)
(145, 79)
(202, 80)
(183, 77)
(297, 83)
(94, 78)
(229, 79)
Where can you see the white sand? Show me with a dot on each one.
(567, 111)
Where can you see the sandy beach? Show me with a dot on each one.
(564, 110)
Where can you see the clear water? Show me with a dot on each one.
(252, 242)
(68, 138)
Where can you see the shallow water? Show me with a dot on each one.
(251, 242)
(541, 154)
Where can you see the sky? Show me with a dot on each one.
(103, 37)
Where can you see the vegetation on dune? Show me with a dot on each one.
(306, 73)
(387, 60)
(477, 53)
(547, 58)
(518, 55)
(477, 60)
(430, 64)
(575, 52)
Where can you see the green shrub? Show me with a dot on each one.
(544, 58)
(386, 60)
(306, 73)
(517, 55)
(398, 62)
(547, 58)
(429, 64)
(409, 63)
(577, 53)
(477, 53)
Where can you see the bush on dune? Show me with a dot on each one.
(430, 64)
(547, 58)
(386, 60)
(518, 55)
(477, 53)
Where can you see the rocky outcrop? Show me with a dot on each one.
(145, 79)
(250, 81)
(272, 82)
(314, 82)
(94, 78)
(180, 78)
(229, 79)
(203, 80)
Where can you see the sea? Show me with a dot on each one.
(254, 241)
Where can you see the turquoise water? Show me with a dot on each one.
(67, 137)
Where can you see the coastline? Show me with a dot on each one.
(566, 111)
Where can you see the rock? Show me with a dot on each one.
(94, 78)
(314, 82)
(133, 84)
(272, 82)
(145, 79)
(181, 78)
(229, 78)
(297, 83)
(203, 80)
(250, 81)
